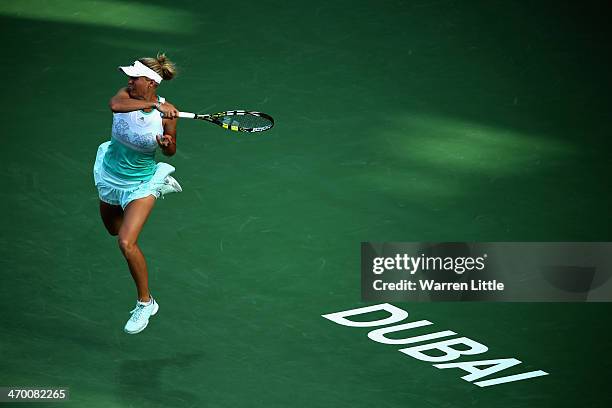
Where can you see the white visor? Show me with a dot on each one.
(138, 69)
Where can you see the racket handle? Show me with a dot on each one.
(187, 115)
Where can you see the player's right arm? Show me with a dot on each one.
(122, 102)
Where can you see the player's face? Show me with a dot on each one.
(138, 86)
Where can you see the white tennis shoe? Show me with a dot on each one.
(140, 316)
(170, 185)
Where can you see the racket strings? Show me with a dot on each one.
(246, 121)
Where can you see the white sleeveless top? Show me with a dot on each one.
(131, 153)
(138, 129)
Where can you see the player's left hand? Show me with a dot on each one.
(164, 141)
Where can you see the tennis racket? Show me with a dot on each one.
(236, 120)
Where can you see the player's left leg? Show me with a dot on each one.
(134, 218)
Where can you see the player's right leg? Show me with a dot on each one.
(112, 217)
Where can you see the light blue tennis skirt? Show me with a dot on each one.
(115, 191)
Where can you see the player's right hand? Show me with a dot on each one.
(168, 110)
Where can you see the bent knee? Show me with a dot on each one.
(126, 245)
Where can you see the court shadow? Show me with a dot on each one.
(141, 382)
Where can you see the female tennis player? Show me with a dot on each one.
(125, 172)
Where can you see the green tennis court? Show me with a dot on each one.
(395, 121)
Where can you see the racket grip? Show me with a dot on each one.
(187, 115)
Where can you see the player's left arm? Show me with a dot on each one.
(167, 142)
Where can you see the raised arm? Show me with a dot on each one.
(122, 102)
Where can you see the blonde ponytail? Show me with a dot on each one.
(162, 65)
